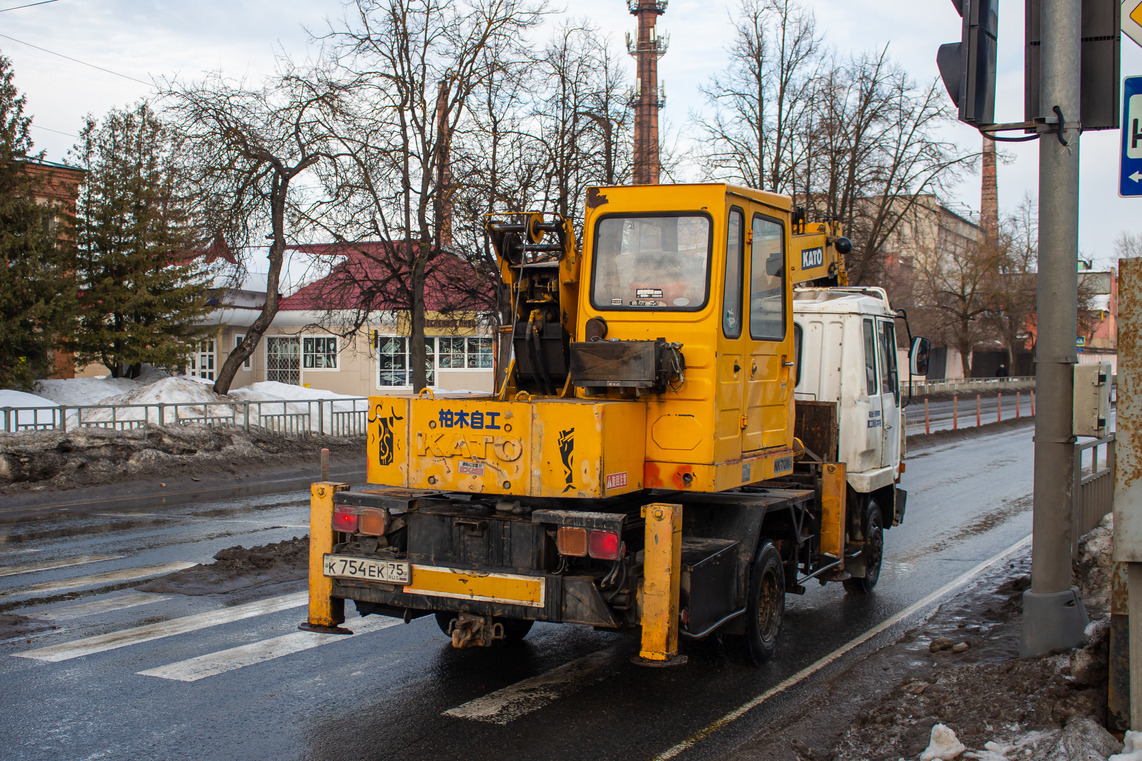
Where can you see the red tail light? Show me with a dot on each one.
(345, 519)
(605, 545)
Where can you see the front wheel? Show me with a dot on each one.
(765, 608)
(873, 553)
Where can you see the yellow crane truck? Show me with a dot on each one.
(698, 418)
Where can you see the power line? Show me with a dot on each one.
(76, 60)
(57, 131)
(29, 5)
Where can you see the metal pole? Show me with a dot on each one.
(1127, 452)
(1053, 612)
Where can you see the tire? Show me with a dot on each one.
(873, 553)
(765, 608)
(515, 629)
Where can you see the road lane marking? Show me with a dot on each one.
(212, 664)
(813, 668)
(108, 605)
(110, 577)
(51, 565)
(521, 698)
(103, 642)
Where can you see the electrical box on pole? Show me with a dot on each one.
(968, 66)
(1099, 67)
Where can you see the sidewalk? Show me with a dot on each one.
(179, 489)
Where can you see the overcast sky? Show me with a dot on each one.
(148, 39)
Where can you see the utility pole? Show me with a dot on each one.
(1053, 612)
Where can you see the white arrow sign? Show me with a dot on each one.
(1137, 176)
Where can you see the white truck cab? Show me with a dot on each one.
(846, 355)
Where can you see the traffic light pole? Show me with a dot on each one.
(1053, 612)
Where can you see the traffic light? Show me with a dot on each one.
(968, 66)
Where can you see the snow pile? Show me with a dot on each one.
(124, 403)
(943, 746)
(1131, 749)
(43, 416)
(76, 392)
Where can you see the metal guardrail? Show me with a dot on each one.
(1092, 492)
(972, 384)
(336, 417)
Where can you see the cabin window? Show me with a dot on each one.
(889, 378)
(732, 289)
(651, 262)
(870, 381)
(767, 280)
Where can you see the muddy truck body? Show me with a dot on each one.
(698, 418)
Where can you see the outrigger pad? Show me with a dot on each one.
(318, 629)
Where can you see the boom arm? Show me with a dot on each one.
(817, 254)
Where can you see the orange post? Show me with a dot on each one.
(927, 422)
(1016, 405)
(955, 413)
(977, 410)
(999, 408)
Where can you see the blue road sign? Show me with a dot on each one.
(1130, 175)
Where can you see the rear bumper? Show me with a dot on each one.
(558, 599)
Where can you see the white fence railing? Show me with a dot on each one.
(961, 385)
(335, 417)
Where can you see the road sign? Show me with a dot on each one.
(1132, 19)
(1130, 175)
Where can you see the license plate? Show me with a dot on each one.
(388, 571)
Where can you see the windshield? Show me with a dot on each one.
(649, 262)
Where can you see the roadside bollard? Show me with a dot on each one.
(977, 410)
(999, 408)
(1032, 404)
(324, 464)
(1016, 405)
(927, 422)
(955, 413)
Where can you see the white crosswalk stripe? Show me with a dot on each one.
(113, 640)
(106, 605)
(51, 565)
(110, 577)
(203, 666)
(521, 698)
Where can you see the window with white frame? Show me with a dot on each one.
(319, 352)
(202, 362)
(248, 364)
(394, 367)
(464, 353)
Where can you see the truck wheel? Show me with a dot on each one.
(873, 554)
(765, 608)
(515, 629)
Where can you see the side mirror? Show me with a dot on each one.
(918, 355)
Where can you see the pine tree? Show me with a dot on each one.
(142, 293)
(37, 284)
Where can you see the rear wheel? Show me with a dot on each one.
(765, 608)
(873, 553)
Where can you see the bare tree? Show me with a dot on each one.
(872, 153)
(1128, 245)
(408, 71)
(246, 149)
(1015, 296)
(755, 133)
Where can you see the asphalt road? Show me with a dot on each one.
(134, 675)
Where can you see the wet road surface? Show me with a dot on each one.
(134, 675)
